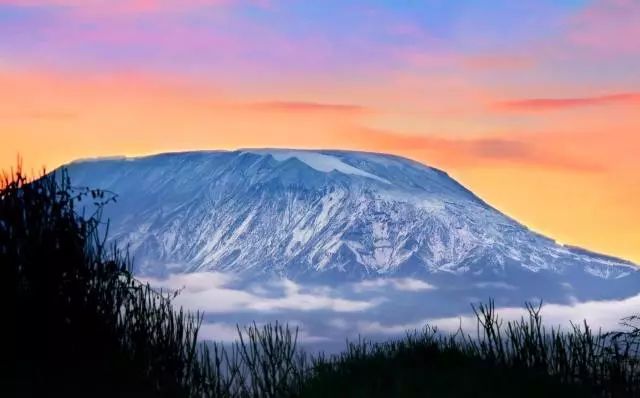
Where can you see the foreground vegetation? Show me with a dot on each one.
(83, 326)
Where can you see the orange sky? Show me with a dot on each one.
(549, 135)
(579, 188)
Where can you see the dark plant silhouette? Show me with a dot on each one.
(83, 325)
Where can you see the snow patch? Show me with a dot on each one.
(320, 162)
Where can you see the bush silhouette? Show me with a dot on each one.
(83, 325)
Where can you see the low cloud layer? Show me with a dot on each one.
(605, 315)
(211, 292)
(399, 284)
(370, 308)
(495, 285)
(226, 332)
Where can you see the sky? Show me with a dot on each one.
(533, 105)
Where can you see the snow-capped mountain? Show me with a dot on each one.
(317, 213)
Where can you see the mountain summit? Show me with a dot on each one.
(303, 213)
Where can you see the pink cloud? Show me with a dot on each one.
(542, 104)
(448, 60)
(497, 62)
(538, 151)
(610, 26)
(301, 106)
(127, 6)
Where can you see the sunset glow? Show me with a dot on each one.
(533, 105)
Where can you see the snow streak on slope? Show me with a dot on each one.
(309, 214)
(319, 161)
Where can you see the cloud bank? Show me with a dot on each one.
(604, 315)
(542, 104)
(399, 284)
(211, 292)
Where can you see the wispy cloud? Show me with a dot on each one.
(191, 282)
(38, 115)
(608, 26)
(497, 62)
(218, 331)
(303, 106)
(125, 6)
(400, 284)
(495, 285)
(500, 148)
(605, 315)
(536, 151)
(543, 104)
(227, 332)
(211, 292)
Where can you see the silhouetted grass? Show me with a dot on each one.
(503, 359)
(83, 326)
(520, 358)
